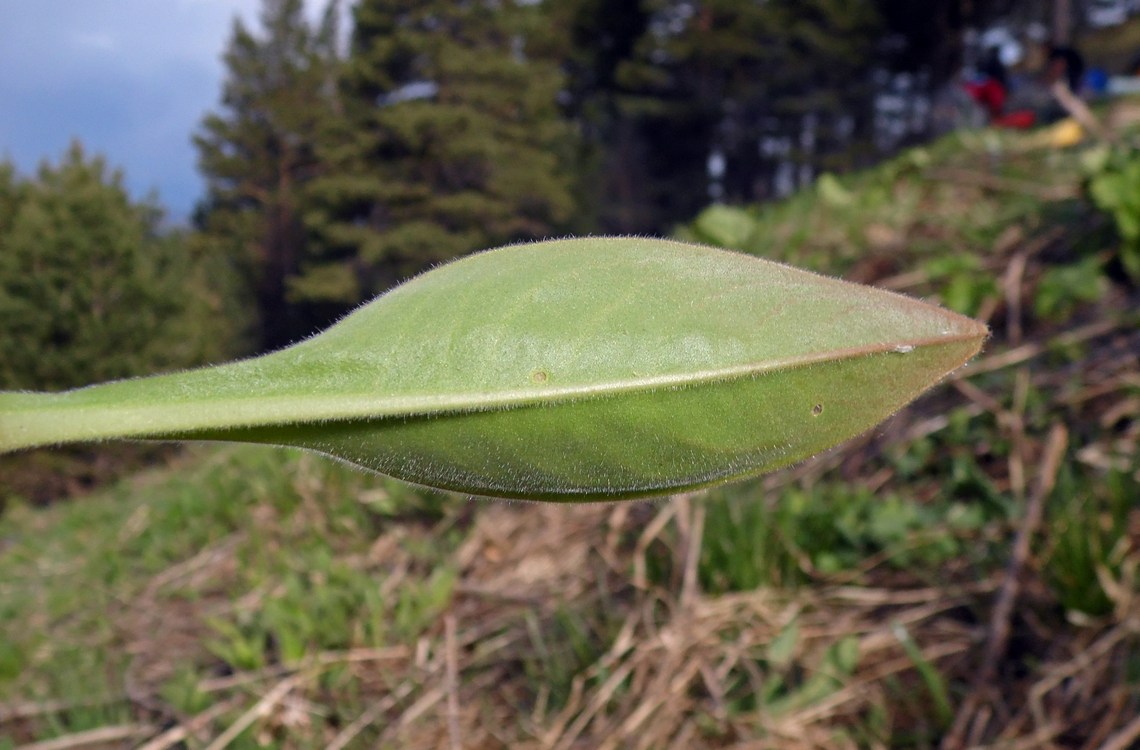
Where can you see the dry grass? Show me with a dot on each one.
(667, 673)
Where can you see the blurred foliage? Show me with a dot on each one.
(93, 288)
(1063, 289)
(827, 530)
(1090, 544)
(1114, 185)
(327, 606)
(662, 85)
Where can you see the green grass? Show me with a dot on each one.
(249, 555)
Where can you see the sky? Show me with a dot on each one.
(131, 79)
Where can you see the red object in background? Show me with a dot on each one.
(990, 94)
(1023, 119)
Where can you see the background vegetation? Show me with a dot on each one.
(965, 576)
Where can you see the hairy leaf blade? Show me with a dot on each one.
(574, 369)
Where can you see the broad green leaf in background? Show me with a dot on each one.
(832, 192)
(727, 226)
(587, 369)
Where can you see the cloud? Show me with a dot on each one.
(130, 78)
(98, 41)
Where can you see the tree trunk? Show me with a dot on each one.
(1062, 21)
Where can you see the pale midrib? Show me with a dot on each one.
(24, 428)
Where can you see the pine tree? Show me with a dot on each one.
(451, 141)
(259, 152)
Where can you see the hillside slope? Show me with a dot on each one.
(964, 576)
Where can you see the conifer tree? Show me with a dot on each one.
(92, 288)
(451, 141)
(259, 151)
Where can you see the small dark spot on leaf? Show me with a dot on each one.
(817, 410)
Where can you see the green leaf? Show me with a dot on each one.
(782, 649)
(726, 226)
(573, 370)
(832, 192)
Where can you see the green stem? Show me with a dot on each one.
(30, 420)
